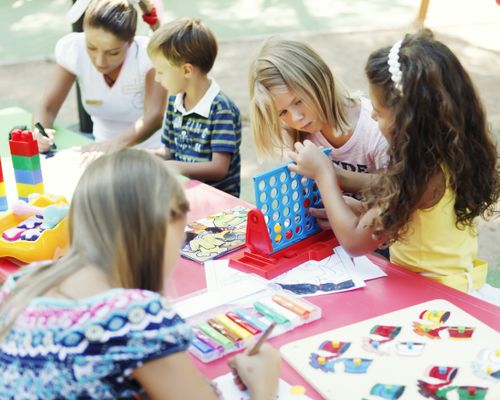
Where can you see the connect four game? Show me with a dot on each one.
(280, 233)
(284, 197)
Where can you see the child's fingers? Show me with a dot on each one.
(298, 146)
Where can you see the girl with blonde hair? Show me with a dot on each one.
(294, 96)
(93, 324)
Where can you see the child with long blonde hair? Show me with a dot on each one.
(443, 170)
(294, 96)
(93, 324)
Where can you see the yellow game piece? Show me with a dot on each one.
(335, 344)
(277, 239)
(321, 361)
(298, 390)
(497, 353)
(357, 361)
(277, 228)
(489, 370)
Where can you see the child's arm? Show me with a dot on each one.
(353, 182)
(259, 373)
(173, 377)
(176, 377)
(216, 169)
(354, 232)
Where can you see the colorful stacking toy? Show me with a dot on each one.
(3, 195)
(26, 163)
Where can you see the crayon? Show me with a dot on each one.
(289, 305)
(297, 301)
(284, 312)
(207, 340)
(259, 323)
(201, 346)
(221, 329)
(215, 335)
(244, 324)
(233, 327)
(270, 313)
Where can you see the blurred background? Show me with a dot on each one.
(344, 32)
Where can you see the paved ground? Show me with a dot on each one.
(21, 83)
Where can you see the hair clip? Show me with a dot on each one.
(395, 66)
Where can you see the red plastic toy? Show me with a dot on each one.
(260, 259)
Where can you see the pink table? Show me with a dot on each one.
(400, 289)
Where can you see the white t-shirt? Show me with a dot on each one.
(366, 149)
(112, 109)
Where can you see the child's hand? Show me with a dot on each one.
(310, 161)
(321, 218)
(44, 143)
(259, 373)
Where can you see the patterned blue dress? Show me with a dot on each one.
(87, 349)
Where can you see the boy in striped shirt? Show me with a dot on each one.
(202, 126)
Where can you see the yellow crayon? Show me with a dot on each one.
(233, 327)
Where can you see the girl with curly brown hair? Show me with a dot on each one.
(442, 174)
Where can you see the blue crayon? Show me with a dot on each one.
(258, 323)
(201, 346)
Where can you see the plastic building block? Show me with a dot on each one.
(24, 190)
(28, 177)
(22, 143)
(26, 163)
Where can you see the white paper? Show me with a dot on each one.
(333, 274)
(366, 269)
(218, 274)
(230, 391)
(224, 285)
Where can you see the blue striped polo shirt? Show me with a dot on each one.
(212, 126)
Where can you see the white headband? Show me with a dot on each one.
(395, 66)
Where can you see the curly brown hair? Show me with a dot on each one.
(439, 122)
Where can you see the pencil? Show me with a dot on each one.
(256, 347)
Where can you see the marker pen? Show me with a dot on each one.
(295, 308)
(233, 327)
(270, 313)
(259, 323)
(244, 324)
(215, 335)
(221, 329)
